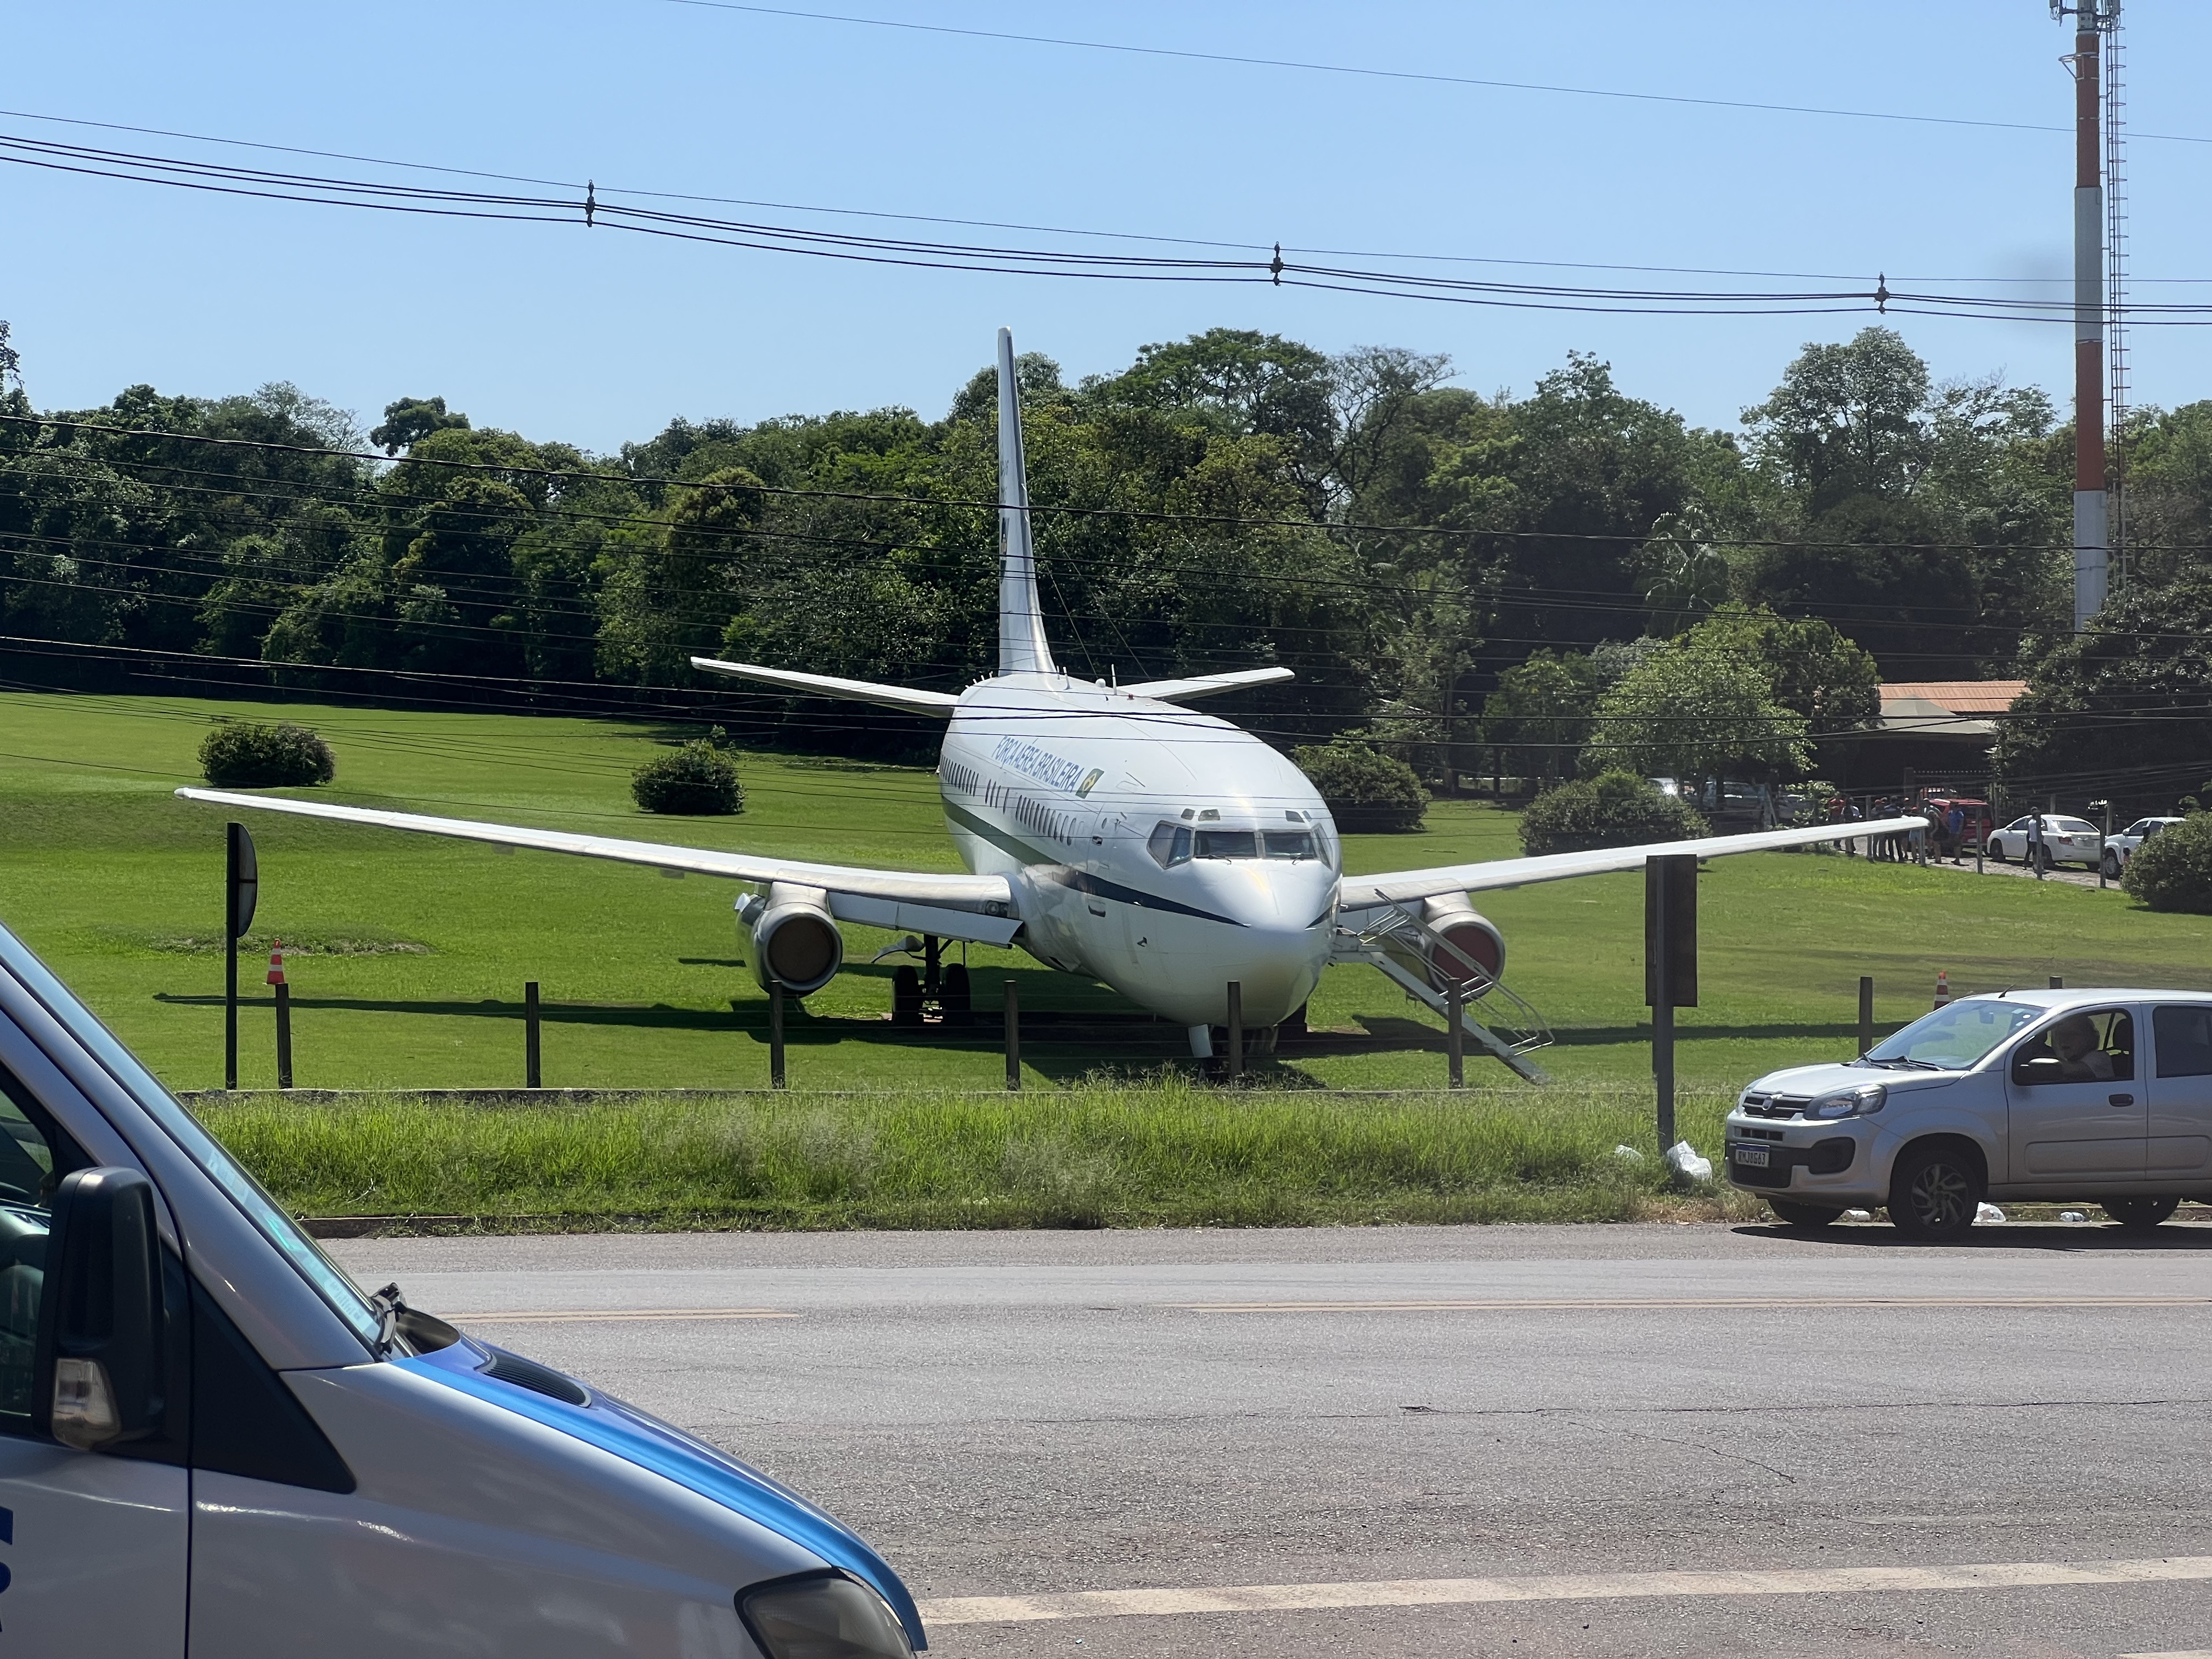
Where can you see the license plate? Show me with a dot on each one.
(1755, 1156)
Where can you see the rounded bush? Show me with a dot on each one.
(242, 754)
(695, 781)
(1367, 791)
(2172, 871)
(1613, 808)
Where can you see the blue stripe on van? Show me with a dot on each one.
(637, 1438)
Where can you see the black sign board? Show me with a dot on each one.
(1671, 933)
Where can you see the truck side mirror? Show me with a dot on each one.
(2038, 1068)
(99, 1376)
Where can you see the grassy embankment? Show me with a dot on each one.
(1172, 1154)
(408, 957)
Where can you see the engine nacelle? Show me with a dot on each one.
(1477, 948)
(796, 943)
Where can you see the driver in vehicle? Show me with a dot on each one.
(2073, 1040)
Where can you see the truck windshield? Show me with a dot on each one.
(1954, 1038)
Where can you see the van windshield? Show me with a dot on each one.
(1955, 1038)
(306, 1256)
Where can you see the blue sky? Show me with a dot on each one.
(557, 332)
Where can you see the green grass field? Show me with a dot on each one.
(1170, 1153)
(409, 954)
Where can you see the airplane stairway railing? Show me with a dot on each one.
(1502, 1023)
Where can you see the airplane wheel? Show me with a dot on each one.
(955, 999)
(906, 997)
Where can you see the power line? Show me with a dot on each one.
(1430, 77)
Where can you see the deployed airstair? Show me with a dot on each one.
(1509, 1027)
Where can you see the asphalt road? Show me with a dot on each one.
(1588, 1456)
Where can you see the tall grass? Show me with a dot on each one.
(1169, 1154)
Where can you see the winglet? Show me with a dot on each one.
(1022, 646)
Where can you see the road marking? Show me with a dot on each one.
(2183, 1653)
(607, 1316)
(1566, 1586)
(1632, 1303)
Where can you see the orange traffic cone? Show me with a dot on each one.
(276, 963)
(1942, 986)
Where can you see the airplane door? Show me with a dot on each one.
(2180, 1083)
(2078, 1110)
(93, 1545)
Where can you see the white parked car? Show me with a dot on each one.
(2120, 848)
(2102, 1097)
(2065, 841)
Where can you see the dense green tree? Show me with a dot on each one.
(1697, 709)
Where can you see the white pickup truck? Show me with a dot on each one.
(214, 1444)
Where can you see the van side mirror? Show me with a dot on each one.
(99, 1376)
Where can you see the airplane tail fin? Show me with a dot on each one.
(1022, 646)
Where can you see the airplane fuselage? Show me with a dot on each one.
(1162, 851)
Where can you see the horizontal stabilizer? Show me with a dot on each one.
(1208, 685)
(828, 685)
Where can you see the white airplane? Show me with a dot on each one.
(1111, 833)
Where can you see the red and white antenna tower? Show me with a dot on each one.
(2093, 265)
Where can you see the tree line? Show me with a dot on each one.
(1545, 582)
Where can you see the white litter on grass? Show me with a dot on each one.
(2072, 1215)
(1686, 1162)
(1987, 1215)
(1628, 1155)
(1859, 1215)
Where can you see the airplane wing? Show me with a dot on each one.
(979, 907)
(829, 685)
(1207, 685)
(1397, 886)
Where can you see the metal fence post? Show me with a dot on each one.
(775, 1080)
(283, 1037)
(1866, 1013)
(530, 1075)
(1456, 1035)
(1013, 1021)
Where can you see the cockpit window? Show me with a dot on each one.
(1228, 844)
(1289, 844)
(1170, 845)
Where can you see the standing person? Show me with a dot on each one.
(2035, 841)
(1852, 816)
(1954, 826)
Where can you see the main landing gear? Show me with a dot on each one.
(937, 984)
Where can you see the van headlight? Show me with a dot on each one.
(1864, 1101)
(822, 1616)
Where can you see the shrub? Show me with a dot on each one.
(1367, 791)
(241, 754)
(694, 781)
(1613, 808)
(2172, 871)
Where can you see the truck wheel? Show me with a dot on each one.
(1934, 1193)
(2140, 1215)
(2111, 865)
(906, 997)
(1806, 1218)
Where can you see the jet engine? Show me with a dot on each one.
(796, 943)
(1477, 948)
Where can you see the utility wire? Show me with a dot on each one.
(1430, 77)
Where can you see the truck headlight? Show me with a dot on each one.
(1862, 1101)
(822, 1616)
